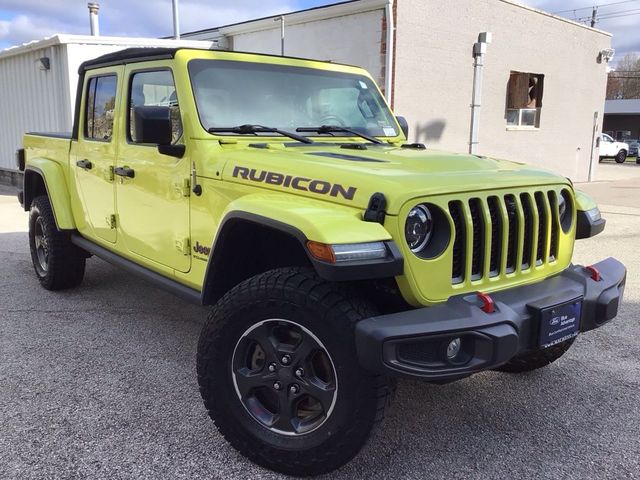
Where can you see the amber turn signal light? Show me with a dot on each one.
(321, 251)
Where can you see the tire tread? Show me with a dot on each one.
(66, 261)
(536, 359)
(337, 300)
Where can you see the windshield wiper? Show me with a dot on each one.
(253, 129)
(335, 129)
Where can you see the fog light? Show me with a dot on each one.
(453, 349)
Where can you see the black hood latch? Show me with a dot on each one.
(375, 210)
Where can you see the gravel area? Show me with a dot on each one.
(99, 382)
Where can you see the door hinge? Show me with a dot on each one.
(186, 188)
(111, 174)
(184, 246)
(111, 221)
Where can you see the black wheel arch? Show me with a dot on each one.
(34, 185)
(248, 244)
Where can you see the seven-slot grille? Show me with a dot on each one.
(501, 234)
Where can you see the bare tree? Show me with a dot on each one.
(624, 81)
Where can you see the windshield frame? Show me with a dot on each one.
(338, 136)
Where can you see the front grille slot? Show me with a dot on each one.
(459, 242)
(477, 253)
(512, 242)
(495, 255)
(553, 248)
(542, 227)
(499, 235)
(527, 241)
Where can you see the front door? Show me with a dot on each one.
(153, 201)
(93, 155)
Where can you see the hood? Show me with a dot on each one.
(350, 176)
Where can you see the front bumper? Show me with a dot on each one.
(414, 343)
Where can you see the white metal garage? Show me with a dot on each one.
(38, 83)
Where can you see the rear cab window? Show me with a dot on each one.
(100, 107)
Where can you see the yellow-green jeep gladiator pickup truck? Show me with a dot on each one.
(335, 256)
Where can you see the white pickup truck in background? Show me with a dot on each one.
(609, 148)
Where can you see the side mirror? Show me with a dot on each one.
(152, 125)
(404, 125)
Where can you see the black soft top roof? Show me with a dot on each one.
(142, 54)
(129, 55)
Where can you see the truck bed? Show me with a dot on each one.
(65, 135)
(49, 146)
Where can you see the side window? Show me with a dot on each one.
(154, 89)
(100, 107)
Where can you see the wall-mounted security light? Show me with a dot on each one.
(43, 63)
(606, 55)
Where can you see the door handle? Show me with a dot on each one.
(84, 164)
(124, 172)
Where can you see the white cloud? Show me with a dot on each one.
(23, 28)
(623, 21)
(35, 19)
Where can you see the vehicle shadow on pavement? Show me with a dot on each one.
(99, 381)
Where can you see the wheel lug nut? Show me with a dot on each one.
(286, 360)
(295, 388)
(299, 372)
(272, 367)
(277, 386)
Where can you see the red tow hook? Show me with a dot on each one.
(487, 303)
(595, 274)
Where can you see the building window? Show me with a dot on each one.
(524, 99)
(100, 106)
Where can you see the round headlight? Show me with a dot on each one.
(418, 228)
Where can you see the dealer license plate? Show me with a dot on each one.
(560, 323)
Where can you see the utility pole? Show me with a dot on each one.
(594, 16)
(176, 20)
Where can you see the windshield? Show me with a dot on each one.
(230, 93)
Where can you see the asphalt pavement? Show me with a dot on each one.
(99, 382)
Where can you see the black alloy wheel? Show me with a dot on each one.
(284, 377)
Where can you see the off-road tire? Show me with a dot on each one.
(330, 311)
(536, 359)
(621, 156)
(64, 262)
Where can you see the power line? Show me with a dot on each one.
(622, 13)
(594, 6)
(618, 16)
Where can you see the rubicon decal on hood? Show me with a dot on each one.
(298, 183)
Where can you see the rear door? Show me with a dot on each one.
(93, 155)
(153, 206)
